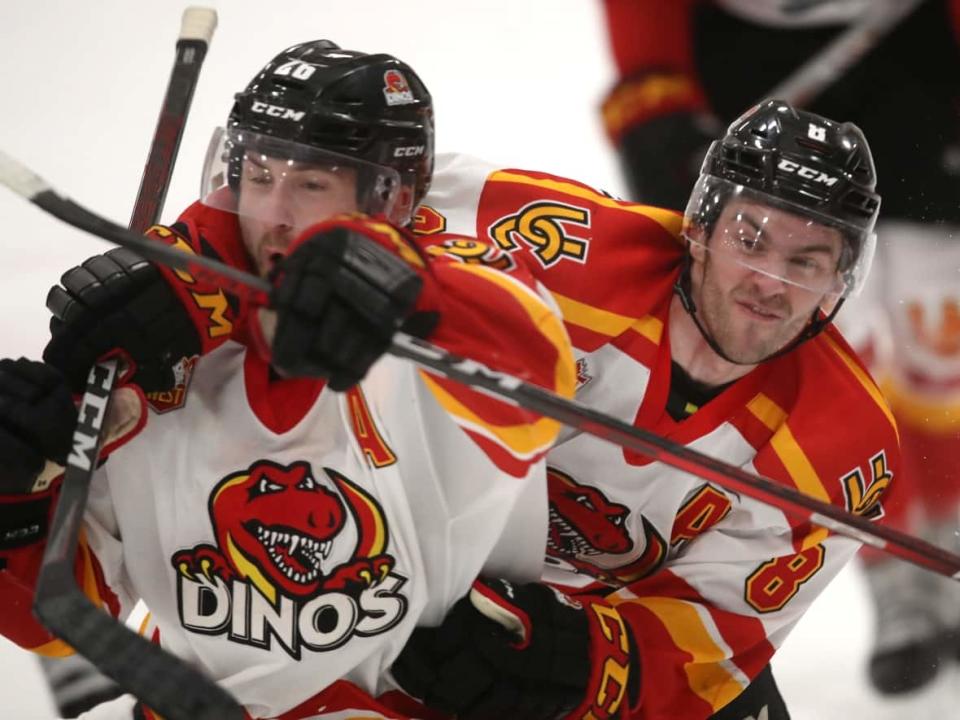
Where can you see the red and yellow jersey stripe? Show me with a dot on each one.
(497, 318)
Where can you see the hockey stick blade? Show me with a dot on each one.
(568, 412)
(162, 681)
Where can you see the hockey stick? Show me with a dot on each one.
(163, 682)
(823, 69)
(196, 30)
(470, 372)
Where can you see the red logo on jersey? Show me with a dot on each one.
(297, 557)
(588, 533)
(583, 377)
(396, 90)
(427, 221)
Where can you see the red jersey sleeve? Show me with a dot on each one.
(567, 235)
(201, 230)
(494, 316)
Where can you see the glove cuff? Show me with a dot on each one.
(614, 666)
(24, 519)
(425, 314)
(648, 95)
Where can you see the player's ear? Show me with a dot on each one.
(696, 242)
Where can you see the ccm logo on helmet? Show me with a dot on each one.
(409, 151)
(806, 172)
(277, 111)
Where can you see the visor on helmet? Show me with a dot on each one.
(778, 238)
(282, 179)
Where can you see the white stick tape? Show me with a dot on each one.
(19, 178)
(198, 24)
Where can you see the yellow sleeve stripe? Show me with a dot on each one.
(667, 219)
(710, 673)
(767, 411)
(865, 380)
(650, 327)
(814, 538)
(542, 317)
(787, 448)
(523, 441)
(605, 322)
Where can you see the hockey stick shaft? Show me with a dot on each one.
(470, 372)
(195, 33)
(823, 69)
(159, 679)
(592, 422)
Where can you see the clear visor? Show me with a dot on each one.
(281, 182)
(777, 238)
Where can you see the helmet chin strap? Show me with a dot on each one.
(683, 290)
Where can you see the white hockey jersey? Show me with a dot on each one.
(287, 538)
(710, 582)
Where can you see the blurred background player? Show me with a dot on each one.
(689, 66)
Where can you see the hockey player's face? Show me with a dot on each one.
(760, 275)
(279, 198)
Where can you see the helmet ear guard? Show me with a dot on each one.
(802, 163)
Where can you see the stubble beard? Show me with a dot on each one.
(745, 342)
(273, 238)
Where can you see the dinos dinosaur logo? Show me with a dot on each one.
(296, 559)
(589, 534)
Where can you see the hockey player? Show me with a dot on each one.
(297, 502)
(684, 64)
(712, 329)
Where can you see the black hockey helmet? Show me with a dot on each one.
(801, 161)
(373, 109)
(820, 171)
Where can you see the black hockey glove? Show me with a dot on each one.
(118, 300)
(340, 295)
(520, 651)
(37, 418)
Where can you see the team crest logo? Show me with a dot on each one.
(298, 558)
(167, 400)
(554, 231)
(396, 89)
(588, 534)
